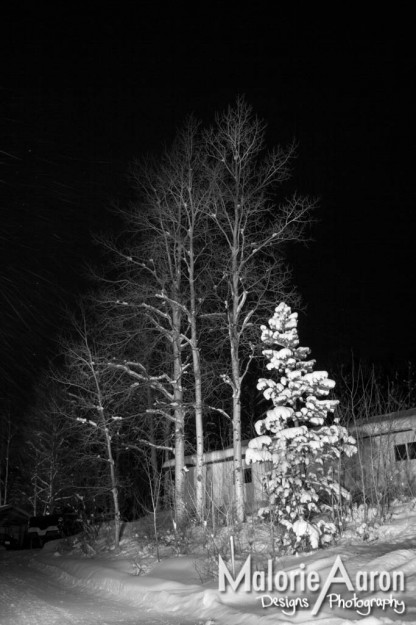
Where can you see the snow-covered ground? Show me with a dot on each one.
(34, 596)
(132, 587)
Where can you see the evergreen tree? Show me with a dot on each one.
(300, 437)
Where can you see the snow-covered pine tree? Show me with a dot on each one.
(300, 438)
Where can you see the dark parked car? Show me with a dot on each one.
(41, 529)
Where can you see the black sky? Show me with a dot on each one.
(84, 93)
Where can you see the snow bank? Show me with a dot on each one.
(174, 585)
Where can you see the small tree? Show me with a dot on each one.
(49, 456)
(95, 398)
(299, 437)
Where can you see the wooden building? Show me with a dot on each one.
(13, 524)
(219, 481)
(386, 461)
(386, 457)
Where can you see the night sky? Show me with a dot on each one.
(84, 94)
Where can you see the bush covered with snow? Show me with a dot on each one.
(299, 438)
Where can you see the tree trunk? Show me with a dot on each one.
(114, 489)
(35, 495)
(237, 447)
(153, 454)
(199, 469)
(199, 427)
(236, 372)
(179, 414)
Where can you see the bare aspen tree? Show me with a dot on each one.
(203, 260)
(165, 276)
(251, 230)
(143, 283)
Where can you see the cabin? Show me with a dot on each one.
(13, 525)
(219, 479)
(386, 457)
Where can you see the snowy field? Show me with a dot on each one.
(58, 586)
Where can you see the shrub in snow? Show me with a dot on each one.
(299, 439)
